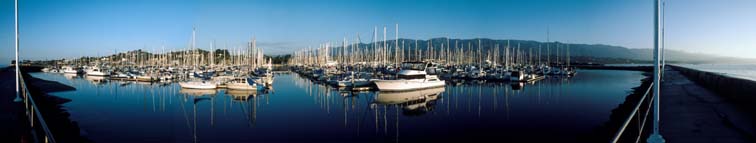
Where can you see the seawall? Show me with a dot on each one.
(741, 91)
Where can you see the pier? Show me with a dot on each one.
(692, 113)
(11, 113)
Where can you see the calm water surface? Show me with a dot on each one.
(297, 110)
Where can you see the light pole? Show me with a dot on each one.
(18, 99)
(655, 136)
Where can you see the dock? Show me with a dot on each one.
(691, 113)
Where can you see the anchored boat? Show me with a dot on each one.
(198, 85)
(97, 71)
(245, 84)
(413, 76)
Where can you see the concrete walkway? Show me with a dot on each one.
(693, 114)
(13, 126)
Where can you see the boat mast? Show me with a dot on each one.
(384, 52)
(396, 45)
(193, 46)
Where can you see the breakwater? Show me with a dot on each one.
(605, 67)
(740, 91)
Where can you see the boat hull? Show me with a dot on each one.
(72, 71)
(197, 85)
(407, 85)
(243, 86)
(360, 83)
(98, 74)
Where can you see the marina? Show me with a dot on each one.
(342, 71)
(298, 106)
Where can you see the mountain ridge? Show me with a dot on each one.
(594, 52)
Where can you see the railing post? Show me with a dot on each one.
(31, 120)
(656, 136)
(26, 102)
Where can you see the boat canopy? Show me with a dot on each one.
(251, 80)
(414, 66)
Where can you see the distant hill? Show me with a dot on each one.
(594, 53)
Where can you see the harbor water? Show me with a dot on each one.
(299, 110)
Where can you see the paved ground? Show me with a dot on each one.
(693, 114)
(12, 124)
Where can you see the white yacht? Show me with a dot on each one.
(71, 70)
(413, 76)
(97, 71)
(198, 85)
(245, 84)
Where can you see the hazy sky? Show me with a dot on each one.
(72, 28)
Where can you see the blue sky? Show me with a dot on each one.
(53, 29)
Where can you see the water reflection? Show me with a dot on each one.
(241, 95)
(197, 92)
(412, 102)
(70, 75)
(97, 80)
(317, 113)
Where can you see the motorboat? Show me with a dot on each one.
(97, 71)
(413, 76)
(265, 76)
(248, 83)
(71, 70)
(203, 84)
(350, 81)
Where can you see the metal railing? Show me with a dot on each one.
(32, 112)
(636, 115)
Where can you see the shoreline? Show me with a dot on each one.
(51, 107)
(607, 130)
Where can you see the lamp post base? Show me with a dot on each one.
(17, 99)
(655, 138)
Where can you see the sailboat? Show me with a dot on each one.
(265, 75)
